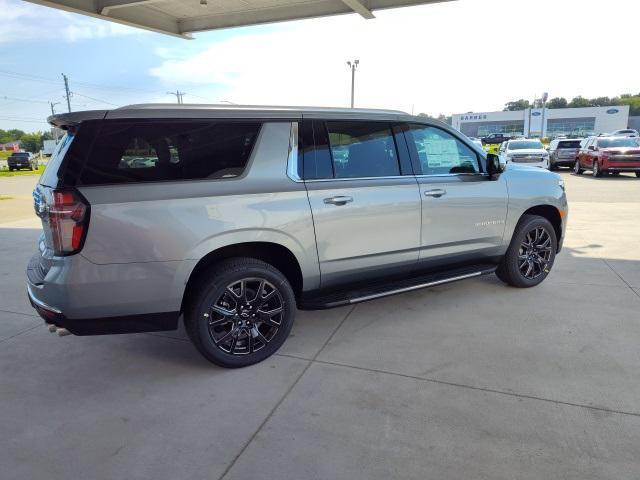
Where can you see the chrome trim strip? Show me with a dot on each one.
(292, 158)
(414, 287)
(479, 174)
(42, 305)
(319, 180)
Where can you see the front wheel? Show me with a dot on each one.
(576, 168)
(531, 253)
(240, 313)
(595, 171)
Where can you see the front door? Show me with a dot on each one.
(463, 211)
(365, 205)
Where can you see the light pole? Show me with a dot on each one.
(353, 66)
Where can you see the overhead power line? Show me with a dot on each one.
(27, 100)
(94, 99)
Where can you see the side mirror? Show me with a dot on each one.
(494, 165)
(591, 147)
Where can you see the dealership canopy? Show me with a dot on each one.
(182, 17)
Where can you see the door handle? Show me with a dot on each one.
(436, 192)
(339, 200)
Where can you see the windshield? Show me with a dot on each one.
(617, 142)
(569, 144)
(525, 145)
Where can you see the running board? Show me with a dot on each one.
(379, 290)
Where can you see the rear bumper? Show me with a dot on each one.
(563, 162)
(89, 299)
(150, 322)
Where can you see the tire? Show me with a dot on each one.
(513, 268)
(239, 332)
(595, 170)
(576, 168)
(638, 174)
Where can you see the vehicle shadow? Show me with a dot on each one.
(574, 267)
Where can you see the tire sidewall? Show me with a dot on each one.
(213, 288)
(576, 168)
(524, 227)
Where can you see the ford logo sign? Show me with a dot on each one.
(612, 110)
(535, 114)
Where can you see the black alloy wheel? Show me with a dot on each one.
(535, 253)
(531, 253)
(239, 311)
(246, 316)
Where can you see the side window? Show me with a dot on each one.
(315, 148)
(362, 149)
(440, 153)
(126, 152)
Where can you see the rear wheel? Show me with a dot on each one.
(531, 253)
(595, 171)
(240, 313)
(576, 168)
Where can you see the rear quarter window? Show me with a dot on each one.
(131, 152)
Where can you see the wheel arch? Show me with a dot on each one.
(274, 254)
(552, 214)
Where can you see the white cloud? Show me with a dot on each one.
(451, 57)
(22, 21)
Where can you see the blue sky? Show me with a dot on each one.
(424, 59)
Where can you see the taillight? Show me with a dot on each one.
(67, 218)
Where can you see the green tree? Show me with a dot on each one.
(579, 102)
(602, 101)
(557, 102)
(31, 142)
(520, 104)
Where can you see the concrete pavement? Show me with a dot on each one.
(467, 380)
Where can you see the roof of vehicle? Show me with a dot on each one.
(172, 110)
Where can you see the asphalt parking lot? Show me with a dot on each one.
(467, 380)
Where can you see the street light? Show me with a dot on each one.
(353, 66)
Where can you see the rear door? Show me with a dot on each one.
(364, 199)
(463, 210)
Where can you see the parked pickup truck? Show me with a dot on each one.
(230, 218)
(495, 139)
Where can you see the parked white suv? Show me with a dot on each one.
(525, 151)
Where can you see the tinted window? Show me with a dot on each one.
(569, 144)
(141, 152)
(315, 148)
(440, 153)
(362, 149)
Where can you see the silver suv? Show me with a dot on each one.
(233, 217)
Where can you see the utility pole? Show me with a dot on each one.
(353, 66)
(178, 95)
(68, 94)
(53, 112)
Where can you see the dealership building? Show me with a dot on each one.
(544, 122)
